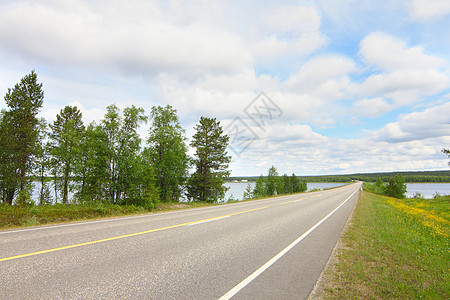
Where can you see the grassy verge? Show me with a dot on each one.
(12, 216)
(15, 216)
(393, 249)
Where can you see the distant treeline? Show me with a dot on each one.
(423, 176)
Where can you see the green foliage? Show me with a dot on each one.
(211, 161)
(94, 165)
(167, 152)
(24, 197)
(446, 151)
(260, 188)
(21, 124)
(66, 132)
(271, 181)
(248, 193)
(278, 185)
(379, 182)
(28, 215)
(396, 187)
(9, 177)
(298, 186)
(374, 188)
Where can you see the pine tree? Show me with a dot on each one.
(272, 180)
(9, 167)
(287, 184)
(24, 102)
(211, 161)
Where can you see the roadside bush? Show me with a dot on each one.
(396, 187)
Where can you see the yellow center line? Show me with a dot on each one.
(246, 211)
(293, 201)
(124, 236)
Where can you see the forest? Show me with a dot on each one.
(105, 162)
(413, 176)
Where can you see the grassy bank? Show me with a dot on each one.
(12, 216)
(393, 249)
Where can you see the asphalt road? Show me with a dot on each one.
(268, 249)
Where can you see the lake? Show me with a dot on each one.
(427, 190)
(236, 189)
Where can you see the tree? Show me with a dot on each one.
(272, 179)
(43, 162)
(168, 152)
(446, 151)
(396, 187)
(287, 184)
(24, 102)
(211, 161)
(94, 166)
(129, 165)
(379, 182)
(9, 167)
(248, 193)
(111, 127)
(298, 186)
(122, 150)
(260, 189)
(66, 133)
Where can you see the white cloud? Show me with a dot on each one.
(371, 108)
(292, 19)
(326, 77)
(405, 86)
(137, 38)
(428, 10)
(390, 54)
(213, 58)
(89, 115)
(431, 123)
(289, 31)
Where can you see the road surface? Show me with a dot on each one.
(268, 249)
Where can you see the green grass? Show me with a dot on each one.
(16, 216)
(393, 249)
(12, 216)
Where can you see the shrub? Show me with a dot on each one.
(396, 187)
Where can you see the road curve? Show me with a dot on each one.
(267, 249)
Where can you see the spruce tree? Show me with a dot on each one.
(211, 161)
(24, 102)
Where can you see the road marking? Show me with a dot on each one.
(293, 201)
(127, 235)
(246, 211)
(264, 267)
(207, 220)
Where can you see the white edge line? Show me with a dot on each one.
(258, 272)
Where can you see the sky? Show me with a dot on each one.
(311, 87)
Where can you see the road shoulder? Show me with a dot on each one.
(324, 281)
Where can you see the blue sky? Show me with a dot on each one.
(349, 86)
